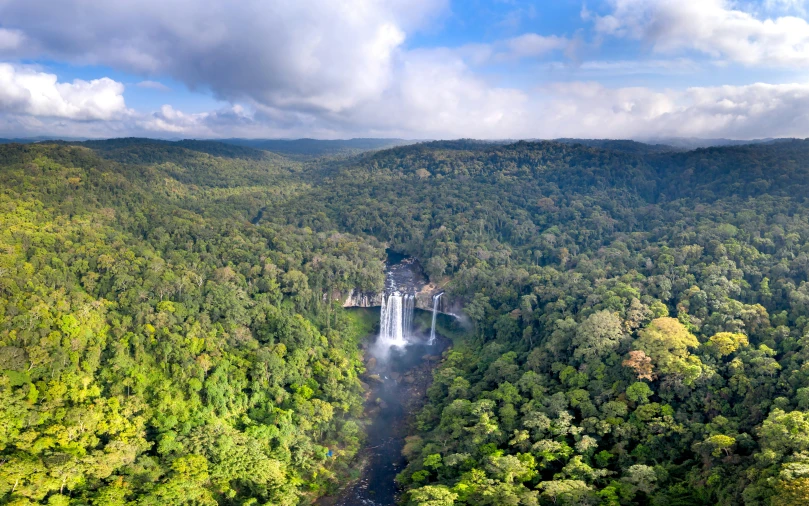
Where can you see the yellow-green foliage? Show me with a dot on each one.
(728, 342)
(152, 352)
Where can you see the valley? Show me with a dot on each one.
(195, 321)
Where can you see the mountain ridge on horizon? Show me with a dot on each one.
(308, 147)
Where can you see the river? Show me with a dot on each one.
(398, 377)
(399, 392)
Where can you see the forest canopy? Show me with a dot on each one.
(639, 321)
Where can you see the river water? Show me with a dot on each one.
(400, 390)
(398, 377)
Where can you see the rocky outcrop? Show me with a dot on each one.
(405, 277)
(424, 300)
(358, 298)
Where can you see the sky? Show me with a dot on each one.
(415, 69)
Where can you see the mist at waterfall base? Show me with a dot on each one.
(396, 322)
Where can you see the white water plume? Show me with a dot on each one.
(435, 313)
(391, 323)
(409, 305)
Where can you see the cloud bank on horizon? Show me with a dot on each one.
(405, 68)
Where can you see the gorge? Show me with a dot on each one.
(400, 363)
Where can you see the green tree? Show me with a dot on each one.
(667, 342)
(599, 334)
(433, 495)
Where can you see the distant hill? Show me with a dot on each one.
(18, 141)
(696, 143)
(307, 148)
(622, 145)
(139, 147)
(665, 144)
(318, 147)
(41, 138)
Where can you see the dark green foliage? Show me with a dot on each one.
(594, 280)
(155, 347)
(314, 148)
(638, 321)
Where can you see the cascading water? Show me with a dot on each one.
(435, 313)
(409, 302)
(391, 328)
(396, 325)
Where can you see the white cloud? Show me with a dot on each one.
(10, 39)
(153, 85)
(168, 119)
(531, 45)
(27, 91)
(461, 105)
(336, 69)
(712, 27)
(435, 101)
(741, 112)
(436, 93)
(319, 55)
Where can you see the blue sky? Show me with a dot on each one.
(406, 68)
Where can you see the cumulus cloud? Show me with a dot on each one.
(742, 112)
(227, 121)
(438, 93)
(335, 69)
(315, 55)
(168, 119)
(27, 91)
(713, 27)
(465, 106)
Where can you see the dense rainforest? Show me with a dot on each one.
(158, 348)
(639, 321)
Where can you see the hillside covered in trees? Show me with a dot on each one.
(639, 318)
(156, 347)
(639, 321)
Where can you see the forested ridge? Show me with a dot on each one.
(639, 318)
(158, 349)
(638, 321)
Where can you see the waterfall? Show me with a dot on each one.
(391, 329)
(435, 313)
(409, 303)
